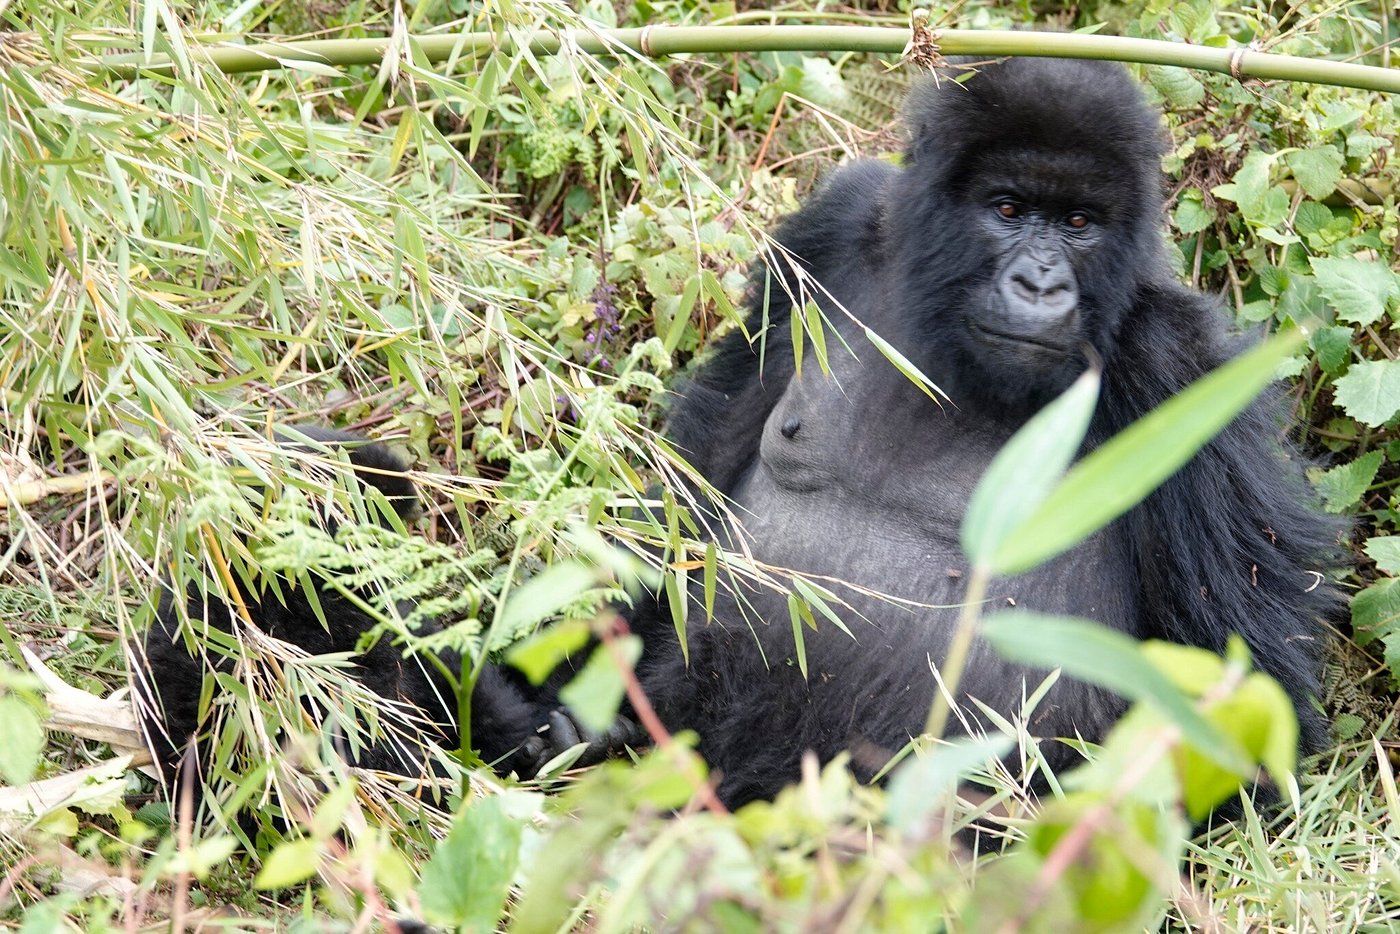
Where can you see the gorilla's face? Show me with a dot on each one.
(1025, 238)
(1029, 311)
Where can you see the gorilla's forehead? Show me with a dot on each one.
(1066, 178)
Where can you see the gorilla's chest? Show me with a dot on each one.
(863, 478)
(866, 444)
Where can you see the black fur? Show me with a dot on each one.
(170, 678)
(866, 480)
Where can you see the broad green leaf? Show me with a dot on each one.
(595, 693)
(1027, 468)
(544, 594)
(1094, 653)
(1311, 218)
(1318, 170)
(1385, 551)
(1177, 86)
(21, 740)
(1375, 611)
(822, 83)
(540, 654)
(1370, 391)
(1111, 884)
(1191, 216)
(291, 862)
(1120, 473)
(1343, 486)
(1333, 347)
(1361, 290)
(466, 882)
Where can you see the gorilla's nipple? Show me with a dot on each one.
(791, 427)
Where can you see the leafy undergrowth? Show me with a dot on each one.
(498, 267)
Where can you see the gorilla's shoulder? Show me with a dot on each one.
(841, 221)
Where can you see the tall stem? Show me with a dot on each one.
(660, 41)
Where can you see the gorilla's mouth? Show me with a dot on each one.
(1030, 342)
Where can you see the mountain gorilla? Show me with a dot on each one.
(1020, 237)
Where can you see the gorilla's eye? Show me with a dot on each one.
(1078, 220)
(1008, 209)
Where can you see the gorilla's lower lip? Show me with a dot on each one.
(1030, 342)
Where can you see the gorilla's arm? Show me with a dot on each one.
(1226, 545)
(718, 417)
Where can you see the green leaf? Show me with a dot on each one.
(1318, 170)
(1191, 216)
(21, 740)
(1361, 290)
(1385, 551)
(544, 594)
(293, 861)
(1312, 218)
(1120, 473)
(540, 654)
(1177, 86)
(822, 83)
(1333, 348)
(595, 694)
(1343, 486)
(1094, 653)
(1027, 468)
(468, 878)
(1375, 611)
(901, 363)
(1370, 392)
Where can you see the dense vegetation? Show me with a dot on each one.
(499, 264)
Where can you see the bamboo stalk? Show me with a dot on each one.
(674, 40)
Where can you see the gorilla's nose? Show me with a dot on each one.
(1038, 293)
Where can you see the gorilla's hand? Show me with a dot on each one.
(563, 734)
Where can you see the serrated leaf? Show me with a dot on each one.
(1120, 473)
(1026, 469)
(1250, 184)
(1177, 86)
(1191, 216)
(1318, 170)
(1342, 487)
(466, 882)
(1311, 218)
(1370, 392)
(1385, 551)
(1375, 611)
(1360, 290)
(1333, 348)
